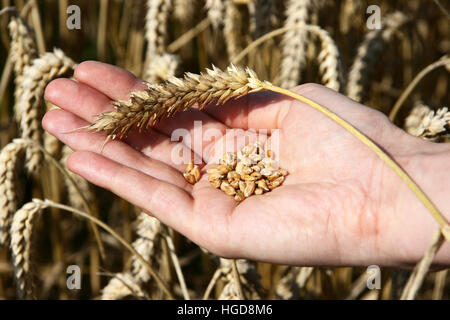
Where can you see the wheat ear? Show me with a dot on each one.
(23, 51)
(161, 67)
(21, 232)
(249, 280)
(122, 285)
(216, 12)
(368, 53)
(428, 124)
(329, 59)
(149, 237)
(145, 108)
(293, 282)
(294, 43)
(9, 163)
(155, 31)
(49, 66)
(232, 28)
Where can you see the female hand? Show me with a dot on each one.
(340, 204)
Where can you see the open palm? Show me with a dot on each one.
(338, 205)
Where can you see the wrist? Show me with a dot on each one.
(411, 224)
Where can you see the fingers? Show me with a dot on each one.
(170, 204)
(114, 82)
(86, 103)
(58, 122)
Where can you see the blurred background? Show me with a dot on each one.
(370, 56)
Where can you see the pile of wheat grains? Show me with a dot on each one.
(251, 171)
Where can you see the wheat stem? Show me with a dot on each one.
(442, 62)
(104, 226)
(380, 153)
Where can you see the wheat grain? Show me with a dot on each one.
(23, 51)
(294, 42)
(145, 108)
(368, 53)
(21, 243)
(43, 70)
(9, 162)
(246, 173)
(121, 286)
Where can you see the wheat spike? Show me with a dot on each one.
(73, 195)
(162, 67)
(44, 69)
(9, 164)
(294, 42)
(250, 280)
(156, 29)
(21, 233)
(216, 12)
(149, 235)
(184, 10)
(428, 124)
(232, 27)
(293, 282)
(122, 285)
(23, 51)
(329, 60)
(157, 102)
(368, 53)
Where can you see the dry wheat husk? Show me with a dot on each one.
(10, 161)
(145, 108)
(122, 285)
(44, 69)
(428, 124)
(368, 53)
(23, 51)
(21, 244)
(73, 195)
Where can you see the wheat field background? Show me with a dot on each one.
(51, 219)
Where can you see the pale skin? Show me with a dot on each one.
(340, 205)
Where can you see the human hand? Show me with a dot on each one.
(339, 205)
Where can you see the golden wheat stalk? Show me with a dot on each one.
(44, 69)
